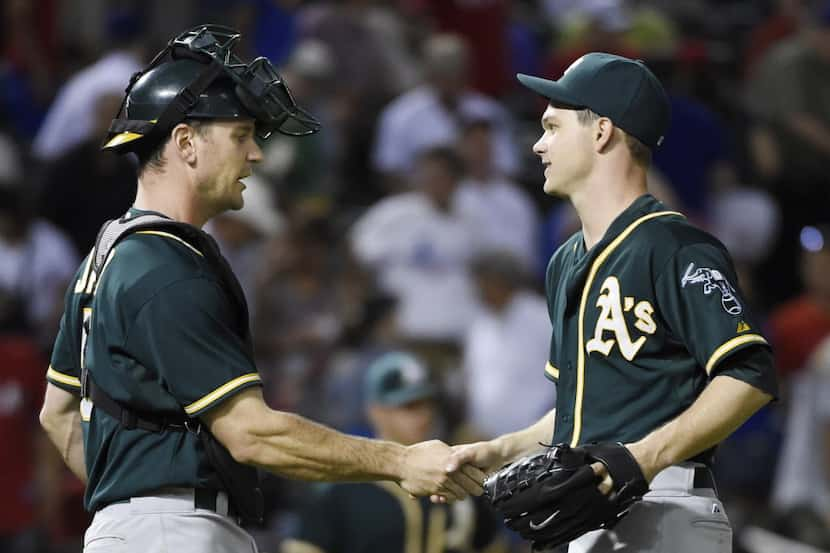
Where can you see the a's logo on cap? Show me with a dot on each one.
(660, 140)
(412, 372)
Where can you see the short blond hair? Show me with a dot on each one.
(152, 156)
(639, 151)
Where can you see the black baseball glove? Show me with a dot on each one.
(552, 498)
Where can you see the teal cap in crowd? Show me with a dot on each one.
(398, 378)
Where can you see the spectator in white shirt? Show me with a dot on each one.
(506, 349)
(71, 117)
(418, 246)
(505, 215)
(36, 264)
(803, 471)
(430, 115)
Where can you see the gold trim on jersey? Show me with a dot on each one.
(437, 531)
(110, 257)
(552, 371)
(412, 516)
(80, 284)
(90, 285)
(730, 345)
(90, 279)
(580, 360)
(86, 322)
(168, 235)
(221, 391)
(52, 374)
(498, 545)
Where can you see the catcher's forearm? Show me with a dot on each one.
(293, 446)
(65, 433)
(526, 441)
(60, 417)
(299, 448)
(73, 455)
(723, 406)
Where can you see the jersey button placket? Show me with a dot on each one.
(566, 417)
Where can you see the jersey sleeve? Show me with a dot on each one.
(63, 371)
(754, 365)
(64, 367)
(699, 298)
(185, 332)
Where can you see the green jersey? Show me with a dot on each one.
(161, 335)
(372, 517)
(641, 323)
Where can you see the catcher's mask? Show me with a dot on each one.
(197, 76)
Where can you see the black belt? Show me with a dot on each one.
(704, 478)
(203, 498)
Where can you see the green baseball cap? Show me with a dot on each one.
(398, 378)
(622, 89)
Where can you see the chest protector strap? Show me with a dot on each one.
(241, 482)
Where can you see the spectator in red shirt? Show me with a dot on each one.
(42, 500)
(21, 391)
(800, 325)
(781, 24)
(484, 25)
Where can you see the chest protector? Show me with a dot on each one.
(240, 482)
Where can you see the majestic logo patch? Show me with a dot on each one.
(712, 279)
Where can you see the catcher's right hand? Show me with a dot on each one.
(552, 498)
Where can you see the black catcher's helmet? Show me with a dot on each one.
(197, 76)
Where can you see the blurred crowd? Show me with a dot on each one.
(415, 220)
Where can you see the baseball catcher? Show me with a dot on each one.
(553, 497)
(154, 397)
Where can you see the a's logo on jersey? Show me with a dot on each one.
(612, 319)
(712, 280)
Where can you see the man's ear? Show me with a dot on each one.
(603, 134)
(182, 139)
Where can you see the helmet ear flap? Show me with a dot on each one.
(143, 149)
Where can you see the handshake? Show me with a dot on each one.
(549, 498)
(448, 473)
